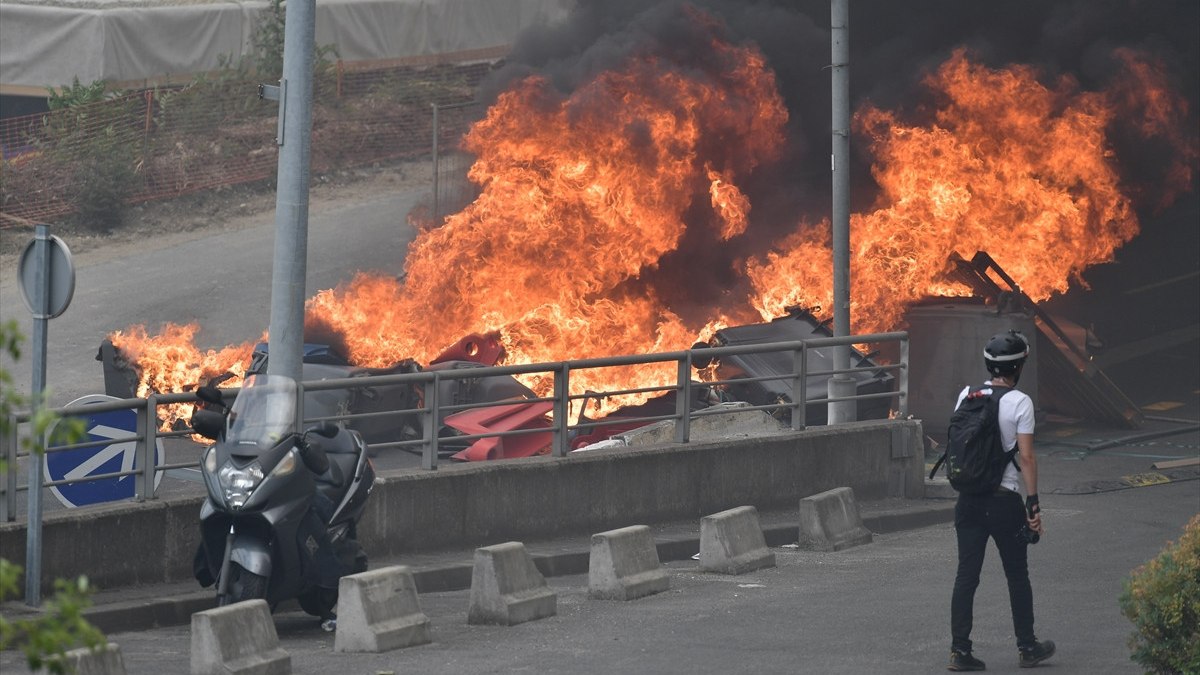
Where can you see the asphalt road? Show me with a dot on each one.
(878, 608)
(218, 279)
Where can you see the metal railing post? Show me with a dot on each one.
(429, 459)
(902, 378)
(683, 400)
(147, 428)
(33, 519)
(8, 507)
(800, 388)
(562, 390)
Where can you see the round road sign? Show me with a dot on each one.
(84, 462)
(57, 281)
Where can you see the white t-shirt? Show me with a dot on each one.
(1016, 417)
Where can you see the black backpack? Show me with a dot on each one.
(975, 456)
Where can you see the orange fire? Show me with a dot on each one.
(171, 362)
(1032, 183)
(583, 194)
(580, 195)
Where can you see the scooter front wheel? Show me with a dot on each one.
(243, 585)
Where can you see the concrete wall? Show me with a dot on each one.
(471, 505)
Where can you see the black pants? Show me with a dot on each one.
(998, 516)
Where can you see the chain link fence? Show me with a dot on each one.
(451, 189)
(93, 160)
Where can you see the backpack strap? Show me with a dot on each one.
(941, 460)
(938, 464)
(998, 392)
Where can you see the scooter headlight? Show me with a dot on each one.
(237, 484)
(284, 467)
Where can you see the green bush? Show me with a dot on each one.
(1162, 599)
(61, 626)
(89, 134)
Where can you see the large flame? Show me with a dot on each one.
(1008, 165)
(580, 195)
(583, 194)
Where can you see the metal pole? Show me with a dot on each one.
(429, 460)
(147, 430)
(41, 320)
(683, 400)
(559, 437)
(800, 388)
(841, 385)
(286, 341)
(436, 168)
(8, 508)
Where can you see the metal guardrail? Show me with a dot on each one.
(147, 434)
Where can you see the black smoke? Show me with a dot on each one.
(893, 44)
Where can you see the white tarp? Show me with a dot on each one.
(48, 44)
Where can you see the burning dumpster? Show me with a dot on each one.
(946, 335)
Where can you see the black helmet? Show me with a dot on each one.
(1005, 353)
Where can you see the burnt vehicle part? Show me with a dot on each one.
(387, 411)
(798, 325)
(628, 418)
(463, 391)
(484, 349)
(391, 413)
(519, 416)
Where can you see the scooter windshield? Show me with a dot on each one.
(264, 411)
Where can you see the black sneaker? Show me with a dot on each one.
(1040, 651)
(964, 661)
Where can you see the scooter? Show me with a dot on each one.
(282, 510)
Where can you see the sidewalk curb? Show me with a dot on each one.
(138, 615)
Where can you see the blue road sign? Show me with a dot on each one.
(102, 459)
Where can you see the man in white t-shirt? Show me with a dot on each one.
(1001, 516)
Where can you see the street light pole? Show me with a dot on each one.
(286, 339)
(841, 385)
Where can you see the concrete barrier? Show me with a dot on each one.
(732, 542)
(721, 422)
(460, 505)
(624, 565)
(105, 660)
(939, 488)
(507, 588)
(378, 611)
(830, 521)
(237, 639)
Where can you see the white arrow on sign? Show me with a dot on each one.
(127, 450)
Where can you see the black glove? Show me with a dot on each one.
(1031, 505)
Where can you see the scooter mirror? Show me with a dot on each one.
(208, 423)
(210, 394)
(326, 429)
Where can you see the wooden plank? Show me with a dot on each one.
(1176, 463)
